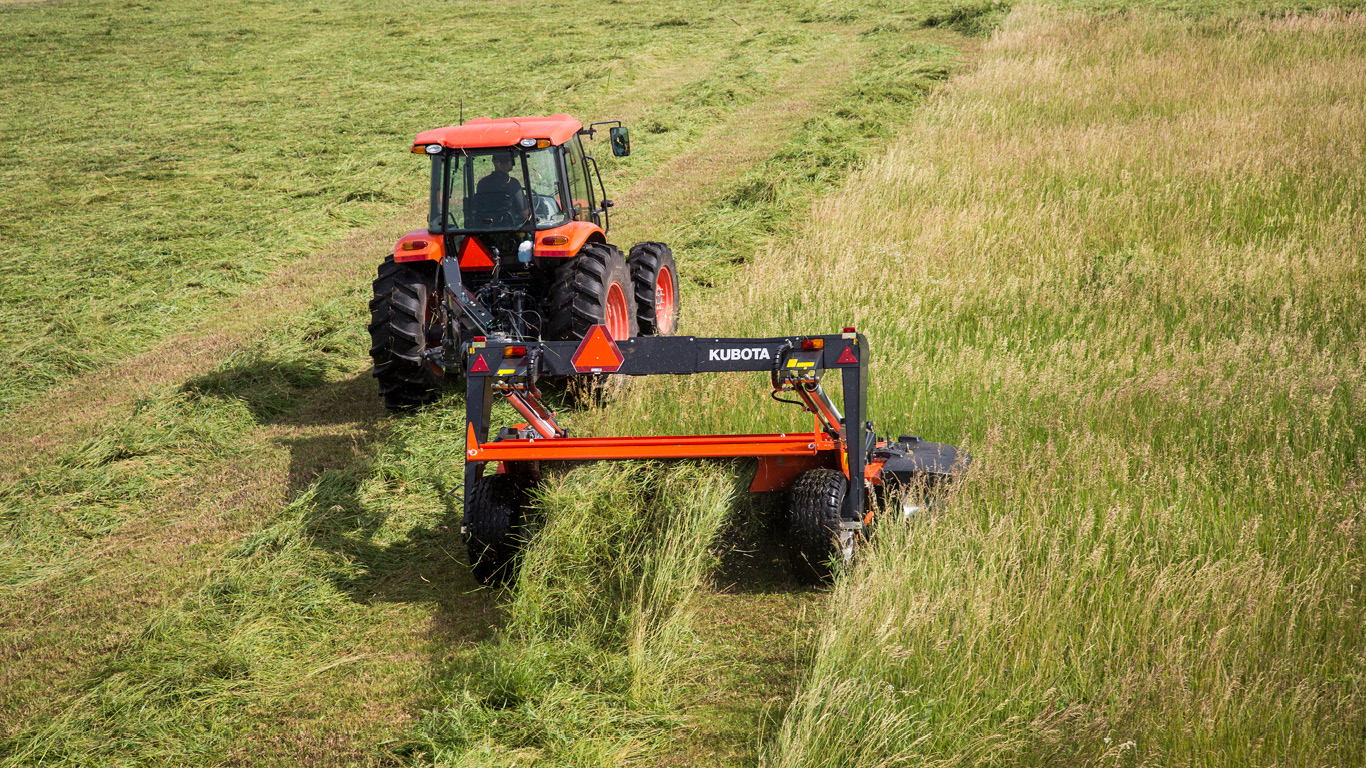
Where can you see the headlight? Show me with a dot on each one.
(433, 149)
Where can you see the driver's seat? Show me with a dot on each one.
(491, 209)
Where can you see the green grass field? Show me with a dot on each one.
(1117, 253)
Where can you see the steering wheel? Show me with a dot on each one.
(547, 207)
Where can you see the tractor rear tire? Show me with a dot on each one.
(656, 279)
(496, 514)
(404, 324)
(815, 540)
(593, 288)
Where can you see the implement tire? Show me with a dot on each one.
(815, 541)
(405, 321)
(496, 513)
(593, 288)
(655, 275)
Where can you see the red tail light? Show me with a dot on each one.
(514, 351)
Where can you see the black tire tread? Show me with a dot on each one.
(495, 511)
(817, 499)
(645, 261)
(578, 300)
(398, 336)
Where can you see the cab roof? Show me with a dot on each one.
(503, 132)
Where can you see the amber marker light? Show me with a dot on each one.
(554, 240)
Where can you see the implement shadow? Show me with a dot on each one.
(752, 548)
(335, 432)
(426, 563)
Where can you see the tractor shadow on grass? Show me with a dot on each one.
(340, 441)
(270, 388)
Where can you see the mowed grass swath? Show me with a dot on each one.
(284, 581)
(190, 151)
(1123, 260)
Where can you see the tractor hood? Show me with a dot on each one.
(484, 132)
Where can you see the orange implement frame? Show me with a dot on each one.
(662, 447)
(507, 369)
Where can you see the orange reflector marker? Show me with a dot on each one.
(473, 255)
(597, 353)
(479, 365)
(847, 357)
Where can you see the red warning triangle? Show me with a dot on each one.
(479, 365)
(597, 353)
(474, 256)
(847, 356)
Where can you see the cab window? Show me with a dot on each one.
(578, 180)
(547, 198)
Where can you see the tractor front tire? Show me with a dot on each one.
(656, 279)
(404, 323)
(496, 515)
(816, 543)
(593, 288)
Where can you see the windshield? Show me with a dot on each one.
(487, 190)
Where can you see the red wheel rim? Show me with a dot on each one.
(664, 300)
(618, 321)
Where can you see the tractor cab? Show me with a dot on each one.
(515, 247)
(519, 175)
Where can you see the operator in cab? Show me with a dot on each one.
(501, 182)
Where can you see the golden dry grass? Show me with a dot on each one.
(1123, 262)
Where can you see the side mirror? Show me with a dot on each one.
(621, 141)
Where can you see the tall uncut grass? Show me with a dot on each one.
(598, 629)
(1122, 262)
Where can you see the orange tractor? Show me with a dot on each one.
(513, 280)
(515, 247)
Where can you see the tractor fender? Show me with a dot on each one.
(565, 240)
(419, 245)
